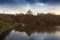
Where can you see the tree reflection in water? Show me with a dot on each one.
(17, 32)
(16, 35)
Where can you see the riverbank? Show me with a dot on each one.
(26, 22)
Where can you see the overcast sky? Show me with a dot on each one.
(13, 6)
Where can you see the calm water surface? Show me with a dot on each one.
(16, 35)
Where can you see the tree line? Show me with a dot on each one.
(28, 21)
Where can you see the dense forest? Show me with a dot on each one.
(29, 22)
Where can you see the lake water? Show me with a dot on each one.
(44, 34)
(16, 35)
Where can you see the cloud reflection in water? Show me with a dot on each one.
(35, 36)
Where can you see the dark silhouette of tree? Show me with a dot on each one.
(40, 22)
(29, 12)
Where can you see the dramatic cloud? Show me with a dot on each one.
(29, 1)
(7, 2)
(51, 2)
(14, 6)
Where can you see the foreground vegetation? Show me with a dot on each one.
(29, 22)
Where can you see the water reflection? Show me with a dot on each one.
(16, 35)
